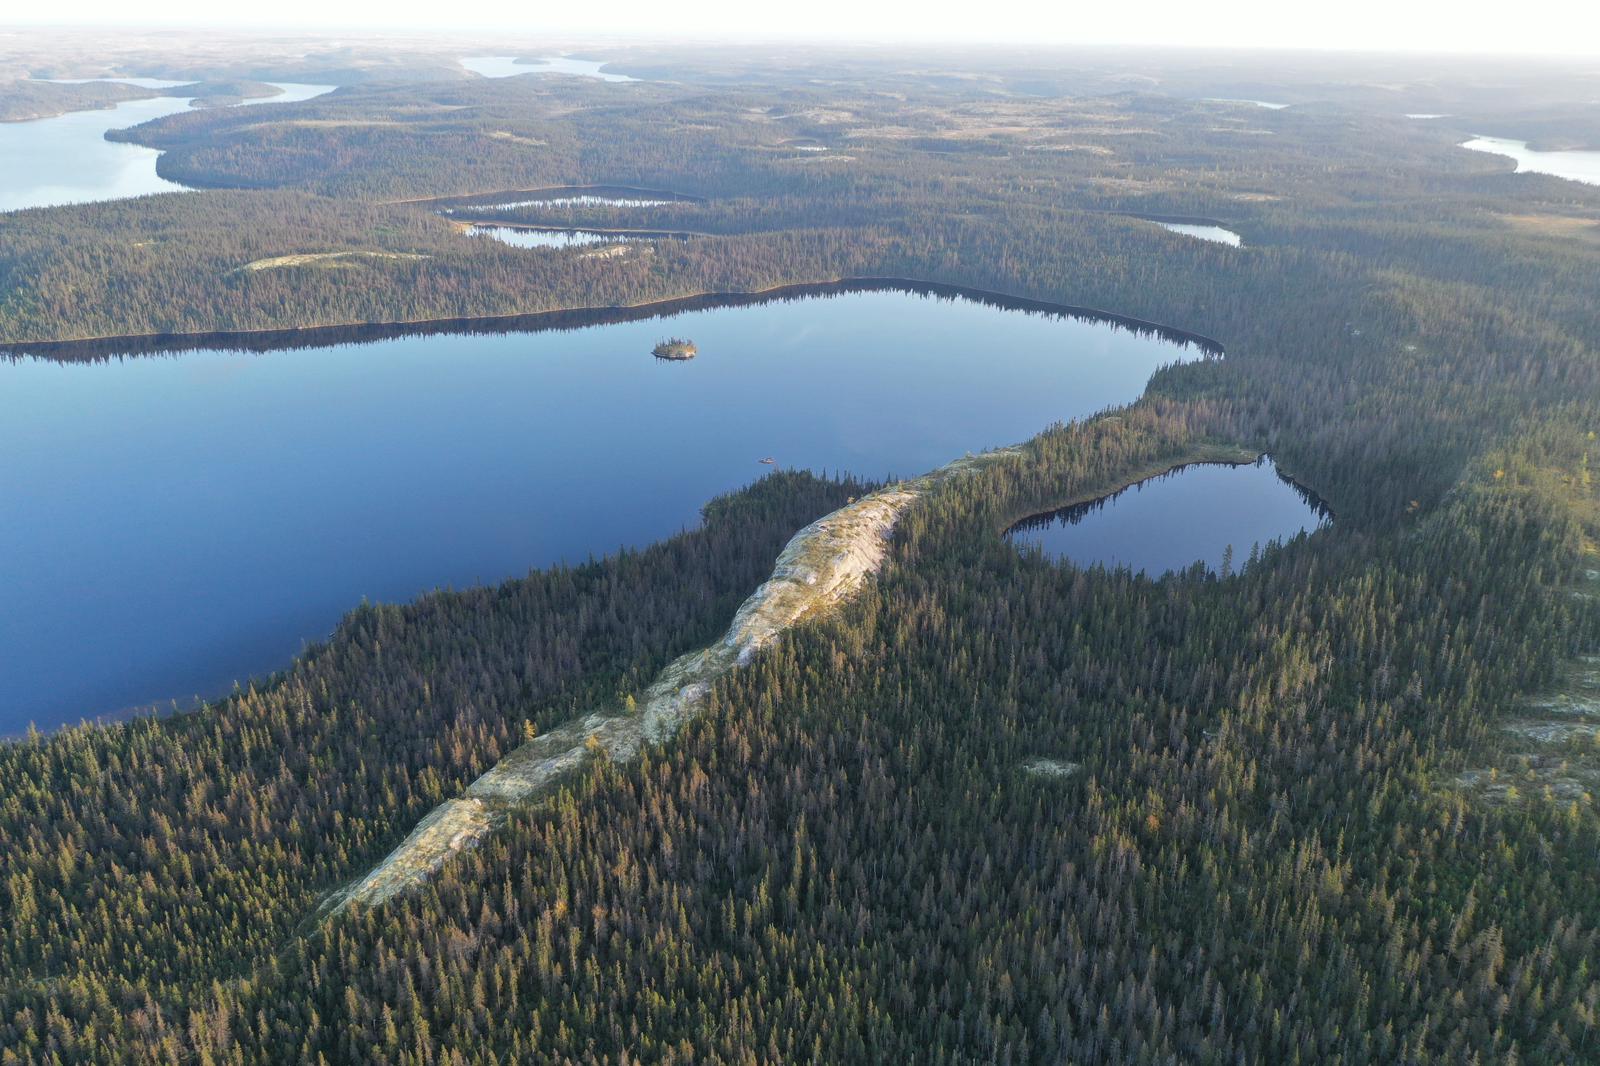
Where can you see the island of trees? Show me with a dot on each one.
(675, 348)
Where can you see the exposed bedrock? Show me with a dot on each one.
(820, 568)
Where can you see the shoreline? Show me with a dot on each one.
(818, 572)
(1178, 220)
(604, 231)
(1202, 455)
(465, 199)
(1206, 455)
(323, 335)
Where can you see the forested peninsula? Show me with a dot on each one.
(26, 100)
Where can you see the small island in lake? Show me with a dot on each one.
(675, 348)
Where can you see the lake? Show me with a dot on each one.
(1215, 234)
(1574, 166)
(1268, 104)
(175, 523)
(1194, 514)
(544, 203)
(547, 238)
(471, 213)
(69, 161)
(510, 67)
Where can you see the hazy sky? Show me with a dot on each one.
(1545, 26)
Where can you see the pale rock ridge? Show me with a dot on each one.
(1042, 767)
(820, 568)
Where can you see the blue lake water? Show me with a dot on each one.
(69, 161)
(174, 523)
(1195, 514)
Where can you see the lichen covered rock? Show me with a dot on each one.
(820, 568)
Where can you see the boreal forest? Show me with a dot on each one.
(1334, 804)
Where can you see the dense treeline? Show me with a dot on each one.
(1263, 852)
(147, 858)
(23, 99)
(903, 186)
(48, 281)
(1364, 198)
(844, 862)
(1260, 859)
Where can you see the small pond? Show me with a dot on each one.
(1215, 234)
(542, 203)
(519, 237)
(1214, 513)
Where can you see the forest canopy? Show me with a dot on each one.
(1309, 812)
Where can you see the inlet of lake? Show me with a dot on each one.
(1212, 513)
(1572, 165)
(174, 523)
(69, 160)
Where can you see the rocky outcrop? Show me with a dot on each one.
(820, 568)
(1041, 767)
(332, 259)
(1550, 737)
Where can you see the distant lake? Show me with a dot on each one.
(480, 217)
(544, 238)
(293, 93)
(1574, 166)
(67, 160)
(174, 523)
(544, 203)
(1268, 104)
(143, 83)
(1194, 514)
(510, 67)
(1215, 234)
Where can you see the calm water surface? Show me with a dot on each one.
(583, 200)
(172, 524)
(69, 161)
(1215, 234)
(143, 83)
(1172, 521)
(1268, 104)
(1574, 166)
(545, 238)
(293, 93)
(510, 67)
